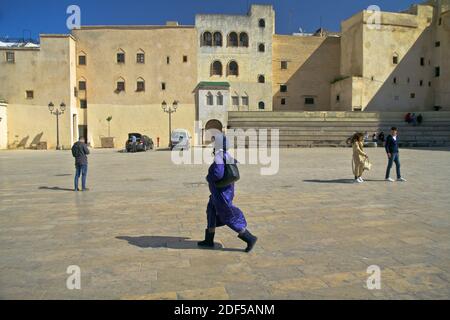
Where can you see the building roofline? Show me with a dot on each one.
(54, 35)
(135, 27)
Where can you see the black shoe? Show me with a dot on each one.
(249, 238)
(209, 240)
(76, 189)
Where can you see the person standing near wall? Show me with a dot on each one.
(392, 151)
(80, 152)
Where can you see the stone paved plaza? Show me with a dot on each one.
(134, 233)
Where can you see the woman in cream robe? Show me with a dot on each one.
(359, 156)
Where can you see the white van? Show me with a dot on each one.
(180, 139)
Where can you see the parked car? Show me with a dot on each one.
(143, 143)
(180, 139)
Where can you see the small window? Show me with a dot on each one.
(235, 101)
(261, 79)
(395, 59)
(338, 98)
(140, 85)
(168, 60)
(140, 58)
(421, 83)
(413, 95)
(440, 21)
(262, 47)
(82, 85)
(394, 80)
(121, 57)
(75, 91)
(429, 83)
(30, 94)
(261, 105)
(83, 104)
(120, 86)
(163, 86)
(10, 57)
(408, 80)
(262, 23)
(245, 101)
(438, 44)
(309, 101)
(284, 65)
(185, 59)
(219, 99)
(82, 60)
(209, 99)
(437, 72)
(283, 88)
(283, 101)
(422, 61)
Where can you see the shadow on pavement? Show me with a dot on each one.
(344, 181)
(341, 181)
(169, 242)
(55, 188)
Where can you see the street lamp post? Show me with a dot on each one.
(57, 112)
(170, 110)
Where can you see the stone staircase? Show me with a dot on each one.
(331, 129)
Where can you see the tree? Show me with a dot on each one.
(109, 125)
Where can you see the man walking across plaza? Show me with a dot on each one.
(80, 152)
(392, 151)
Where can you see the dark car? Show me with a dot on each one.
(143, 143)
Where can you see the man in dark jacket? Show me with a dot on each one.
(80, 152)
(392, 153)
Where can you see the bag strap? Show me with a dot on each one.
(224, 149)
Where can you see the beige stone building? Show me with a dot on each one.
(399, 65)
(236, 49)
(222, 63)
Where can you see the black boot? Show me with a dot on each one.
(249, 238)
(209, 240)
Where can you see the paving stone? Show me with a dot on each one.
(134, 233)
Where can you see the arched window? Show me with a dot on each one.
(209, 99)
(120, 56)
(217, 39)
(207, 39)
(243, 39)
(261, 47)
(262, 23)
(261, 105)
(219, 99)
(216, 68)
(140, 56)
(233, 39)
(120, 85)
(261, 78)
(140, 85)
(233, 69)
(82, 84)
(82, 60)
(395, 58)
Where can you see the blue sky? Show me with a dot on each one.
(21, 17)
